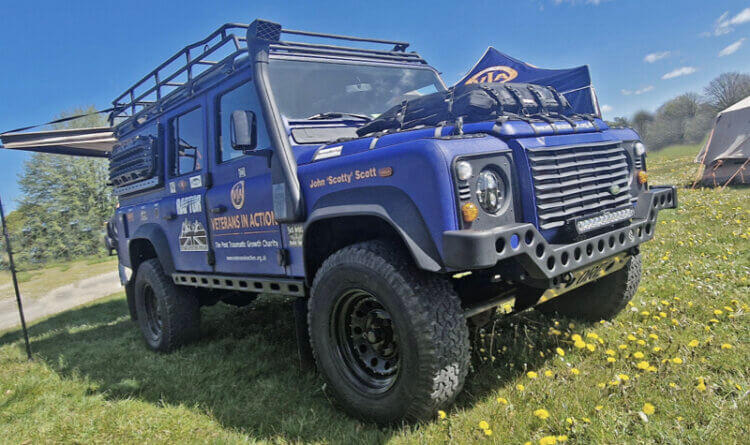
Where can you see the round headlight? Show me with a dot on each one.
(490, 191)
(463, 170)
(640, 149)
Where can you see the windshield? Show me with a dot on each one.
(305, 89)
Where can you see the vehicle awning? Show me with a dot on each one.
(91, 142)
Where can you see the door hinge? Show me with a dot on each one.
(283, 257)
(211, 257)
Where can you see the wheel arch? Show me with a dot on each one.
(343, 218)
(150, 241)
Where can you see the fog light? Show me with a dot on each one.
(469, 211)
(642, 177)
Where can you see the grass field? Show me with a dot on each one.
(37, 282)
(671, 369)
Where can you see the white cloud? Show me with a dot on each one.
(725, 24)
(637, 92)
(653, 57)
(684, 71)
(731, 49)
(606, 108)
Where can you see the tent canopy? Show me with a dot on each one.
(91, 142)
(573, 83)
(730, 137)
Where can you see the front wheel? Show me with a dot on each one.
(390, 341)
(601, 300)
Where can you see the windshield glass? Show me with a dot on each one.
(304, 89)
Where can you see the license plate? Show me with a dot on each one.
(586, 275)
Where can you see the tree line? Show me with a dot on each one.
(65, 202)
(687, 118)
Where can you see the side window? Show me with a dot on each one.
(187, 142)
(242, 97)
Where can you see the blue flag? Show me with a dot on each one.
(573, 83)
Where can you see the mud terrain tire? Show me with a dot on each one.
(414, 317)
(169, 316)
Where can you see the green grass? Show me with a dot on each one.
(37, 282)
(92, 379)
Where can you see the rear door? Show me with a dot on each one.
(245, 235)
(186, 169)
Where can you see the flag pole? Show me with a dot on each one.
(15, 280)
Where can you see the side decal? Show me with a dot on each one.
(193, 237)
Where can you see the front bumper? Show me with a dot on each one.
(470, 249)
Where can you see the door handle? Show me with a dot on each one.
(218, 209)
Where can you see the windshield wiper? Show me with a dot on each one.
(336, 114)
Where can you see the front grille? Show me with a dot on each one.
(576, 181)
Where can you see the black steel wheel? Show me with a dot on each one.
(390, 341)
(169, 316)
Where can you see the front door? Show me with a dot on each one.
(245, 236)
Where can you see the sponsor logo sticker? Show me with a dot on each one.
(237, 195)
(189, 204)
(196, 181)
(193, 237)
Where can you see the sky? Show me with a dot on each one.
(60, 55)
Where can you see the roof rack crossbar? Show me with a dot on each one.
(346, 48)
(397, 46)
(314, 49)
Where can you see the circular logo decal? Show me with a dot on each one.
(493, 74)
(237, 195)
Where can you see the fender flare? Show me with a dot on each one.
(390, 204)
(154, 234)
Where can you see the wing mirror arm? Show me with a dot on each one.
(243, 133)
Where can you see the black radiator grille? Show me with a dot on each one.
(576, 181)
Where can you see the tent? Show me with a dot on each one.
(726, 155)
(573, 83)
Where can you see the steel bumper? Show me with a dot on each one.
(470, 249)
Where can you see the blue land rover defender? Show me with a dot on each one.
(399, 212)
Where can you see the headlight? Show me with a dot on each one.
(640, 149)
(490, 191)
(463, 170)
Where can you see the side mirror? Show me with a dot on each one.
(243, 130)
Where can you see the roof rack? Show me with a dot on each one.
(185, 66)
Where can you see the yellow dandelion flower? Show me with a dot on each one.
(488, 432)
(542, 413)
(623, 377)
(622, 347)
(611, 359)
(701, 386)
(726, 346)
(502, 400)
(569, 420)
(575, 371)
(532, 375)
(638, 355)
(654, 336)
(648, 408)
(576, 337)
(571, 326)
(631, 337)
(549, 373)
(601, 385)
(560, 352)
(609, 352)
(662, 315)
(672, 384)
(642, 365)
(591, 347)
(586, 419)
(580, 344)
(548, 440)
(656, 348)
(562, 438)
(677, 361)
(718, 312)
(442, 414)
(641, 342)
(484, 425)
(598, 407)
(614, 383)
(520, 387)
(713, 320)
(592, 335)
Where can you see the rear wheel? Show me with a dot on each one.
(390, 341)
(602, 299)
(168, 316)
